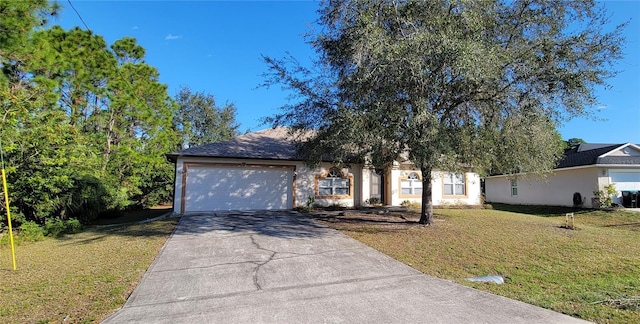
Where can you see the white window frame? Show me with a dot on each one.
(412, 183)
(454, 180)
(514, 187)
(334, 181)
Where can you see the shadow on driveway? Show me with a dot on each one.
(282, 267)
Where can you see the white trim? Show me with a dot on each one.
(620, 148)
(568, 168)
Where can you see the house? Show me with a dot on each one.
(261, 170)
(583, 169)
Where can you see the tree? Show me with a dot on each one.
(448, 84)
(17, 20)
(199, 121)
(84, 126)
(572, 142)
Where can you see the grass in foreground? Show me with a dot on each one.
(592, 272)
(80, 278)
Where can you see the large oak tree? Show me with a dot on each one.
(448, 85)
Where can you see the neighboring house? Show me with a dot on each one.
(583, 169)
(262, 171)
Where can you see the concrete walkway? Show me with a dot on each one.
(279, 267)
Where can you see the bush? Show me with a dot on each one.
(410, 204)
(73, 226)
(30, 231)
(373, 201)
(54, 227)
(57, 227)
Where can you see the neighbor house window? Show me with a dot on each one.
(411, 185)
(333, 185)
(514, 187)
(454, 184)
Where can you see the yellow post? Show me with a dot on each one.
(6, 204)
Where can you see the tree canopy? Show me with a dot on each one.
(85, 125)
(448, 85)
(200, 121)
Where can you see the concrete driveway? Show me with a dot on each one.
(280, 267)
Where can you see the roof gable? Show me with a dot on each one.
(592, 154)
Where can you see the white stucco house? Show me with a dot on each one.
(583, 169)
(261, 171)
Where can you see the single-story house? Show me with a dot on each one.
(584, 169)
(261, 170)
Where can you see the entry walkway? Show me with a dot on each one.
(279, 267)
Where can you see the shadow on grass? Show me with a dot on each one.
(630, 226)
(127, 224)
(133, 216)
(538, 210)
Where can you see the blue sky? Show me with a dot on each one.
(216, 47)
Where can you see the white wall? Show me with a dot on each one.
(472, 196)
(304, 186)
(556, 189)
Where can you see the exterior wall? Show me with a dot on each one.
(472, 189)
(304, 184)
(556, 189)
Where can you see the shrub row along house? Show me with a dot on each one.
(261, 170)
(584, 169)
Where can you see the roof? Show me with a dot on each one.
(592, 154)
(270, 144)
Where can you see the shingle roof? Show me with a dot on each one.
(589, 154)
(269, 144)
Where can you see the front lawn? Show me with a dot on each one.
(79, 278)
(592, 272)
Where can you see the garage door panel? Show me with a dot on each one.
(238, 188)
(625, 179)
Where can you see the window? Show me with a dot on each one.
(411, 185)
(514, 187)
(454, 184)
(333, 184)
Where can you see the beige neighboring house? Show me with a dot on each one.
(583, 169)
(261, 171)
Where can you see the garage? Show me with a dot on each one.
(625, 179)
(211, 187)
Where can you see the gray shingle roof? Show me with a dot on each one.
(589, 154)
(269, 144)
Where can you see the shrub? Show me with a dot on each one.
(30, 231)
(57, 227)
(373, 201)
(54, 227)
(604, 195)
(73, 226)
(410, 204)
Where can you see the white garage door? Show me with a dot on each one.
(625, 179)
(218, 187)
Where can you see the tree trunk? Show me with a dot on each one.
(426, 215)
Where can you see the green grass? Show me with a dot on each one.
(592, 272)
(79, 278)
